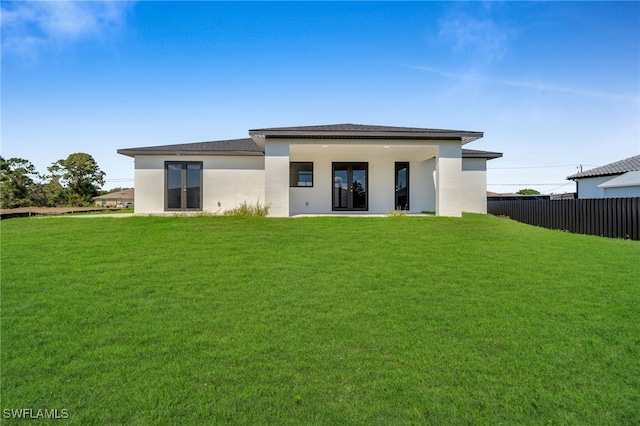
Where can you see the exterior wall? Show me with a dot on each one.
(381, 185)
(449, 180)
(149, 184)
(381, 174)
(474, 185)
(276, 172)
(622, 192)
(227, 181)
(588, 187)
(425, 176)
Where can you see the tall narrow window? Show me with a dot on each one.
(194, 185)
(183, 185)
(402, 186)
(174, 186)
(300, 174)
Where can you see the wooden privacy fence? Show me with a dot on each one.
(606, 217)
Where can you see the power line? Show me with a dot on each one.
(540, 167)
(528, 184)
(551, 190)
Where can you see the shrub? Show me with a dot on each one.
(247, 210)
(397, 213)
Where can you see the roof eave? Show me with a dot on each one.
(487, 155)
(464, 137)
(583, 176)
(133, 152)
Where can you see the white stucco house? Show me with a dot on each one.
(620, 179)
(328, 169)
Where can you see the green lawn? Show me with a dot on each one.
(372, 321)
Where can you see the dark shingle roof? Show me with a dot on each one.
(245, 146)
(627, 165)
(348, 127)
(364, 131)
(248, 146)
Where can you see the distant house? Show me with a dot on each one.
(616, 180)
(495, 196)
(122, 198)
(330, 169)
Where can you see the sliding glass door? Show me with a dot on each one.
(350, 186)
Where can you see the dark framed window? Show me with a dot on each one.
(301, 174)
(402, 185)
(183, 185)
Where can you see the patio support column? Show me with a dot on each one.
(276, 174)
(449, 180)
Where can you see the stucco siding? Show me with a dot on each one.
(276, 186)
(474, 185)
(381, 178)
(228, 181)
(149, 184)
(423, 186)
(622, 192)
(588, 187)
(449, 180)
(231, 181)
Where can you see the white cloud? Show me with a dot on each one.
(532, 85)
(483, 39)
(28, 26)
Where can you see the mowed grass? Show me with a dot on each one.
(372, 321)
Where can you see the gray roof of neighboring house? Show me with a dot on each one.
(627, 165)
(246, 146)
(364, 131)
(118, 195)
(624, 180)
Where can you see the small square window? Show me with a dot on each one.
(301, 174)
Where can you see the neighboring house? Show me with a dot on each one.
(513, 196)
(343, 168)
(115, 199)
(616, 180)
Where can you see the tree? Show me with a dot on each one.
(16, 182)
(116, 189)
(48, 194)
(528, 191)
(79, 177)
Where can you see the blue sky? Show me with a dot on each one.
(554, 85)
